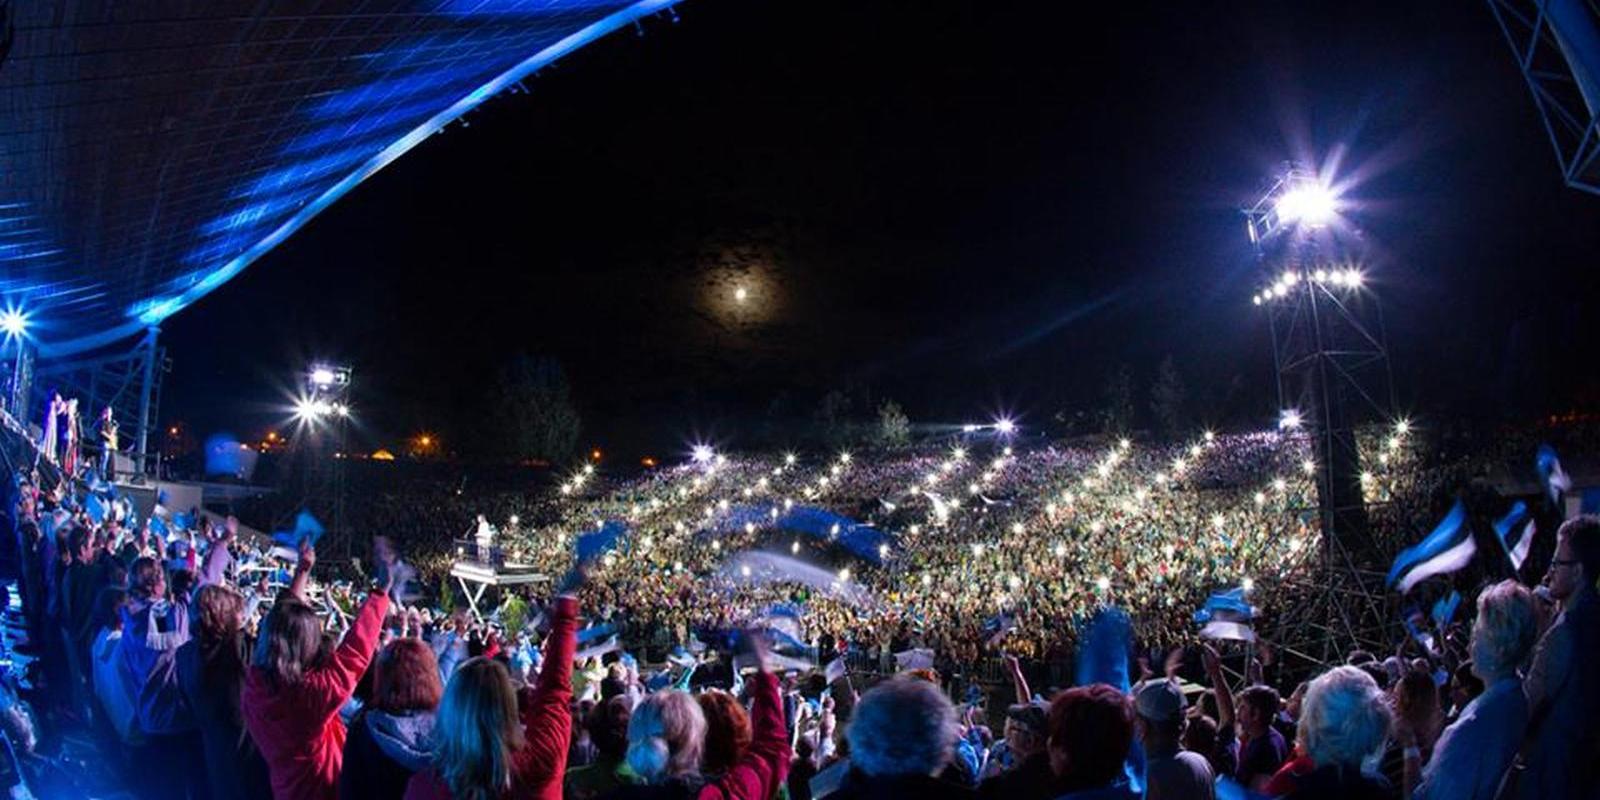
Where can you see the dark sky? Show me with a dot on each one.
(963, 206)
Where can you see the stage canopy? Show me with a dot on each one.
(151, 150)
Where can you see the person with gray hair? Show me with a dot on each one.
(903, 732)
(1344, 722)
(1473, 754)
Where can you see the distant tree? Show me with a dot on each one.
(1117, 414)
(1169, 397)
(894, 428)
(835, 418)
(531, 406)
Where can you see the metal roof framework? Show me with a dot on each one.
(151, 151)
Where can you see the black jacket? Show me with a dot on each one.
(860, 786)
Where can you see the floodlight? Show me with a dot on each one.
(1289, 420)
(1005, 427)
(703, 453)
(1402, 427)
(1308, 203)
(322, 376)
(13, 322)
(969, 428)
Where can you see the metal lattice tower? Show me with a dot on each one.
(1557, 46)
(1332, 378)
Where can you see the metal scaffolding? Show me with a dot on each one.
(1332, 378)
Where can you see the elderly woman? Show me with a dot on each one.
(903, 733)
(1344, 721)
(667, 739)
(1473, 754)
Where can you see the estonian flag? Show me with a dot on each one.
(1516, 530)
(1227, 615)
(1556, 482)
(1449, 548)
(1444, 610)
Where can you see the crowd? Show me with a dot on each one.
(205, 669)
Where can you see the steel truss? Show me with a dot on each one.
(1332, 369)
(1551, 39)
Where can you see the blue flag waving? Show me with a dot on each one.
(1227, 615)
(1556, 482)
(1449, 548)
(306, 529)
(1515, 531)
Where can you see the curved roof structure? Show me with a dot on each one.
(150, 151)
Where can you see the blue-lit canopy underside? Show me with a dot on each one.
(150, 151)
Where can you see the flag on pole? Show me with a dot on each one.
(1516, 530)
(1448, 548)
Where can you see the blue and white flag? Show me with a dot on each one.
(95, 508)
(1449, 548)
(1227, 615)
(1444, 610)
(998, 626)
(306, 529)
(609, 644)
(834, 670)
(915, 658)
(1516, 530)
(1413, 620)
(783, 617)
(1555, 479)
(593, 632)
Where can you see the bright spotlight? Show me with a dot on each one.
(1005, 427)
(969, 428)
(702, 454)
(13, 322)
(1289, 420)
(741, 294)
(322, 376)
(306, 409)
(1402, 427)
(1352, 278)
(1311, 204)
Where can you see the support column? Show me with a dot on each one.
(21, 387)
(146, 386)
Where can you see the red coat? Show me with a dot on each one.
(297, 728)
(537, 768)
(765, 763)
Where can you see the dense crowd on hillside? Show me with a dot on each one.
(208, 666)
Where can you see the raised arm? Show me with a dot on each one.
(1219, 684)
(337, 679)
(1019, 682)
(764, 767)
(302, 570)
(547, 707)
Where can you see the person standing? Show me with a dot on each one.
(1559, 756)
(295, 687)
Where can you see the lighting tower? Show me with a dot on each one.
(1332, 367)
(323, 412)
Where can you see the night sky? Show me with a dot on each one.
(967, 207)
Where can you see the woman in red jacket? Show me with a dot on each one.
(295, 688)
(483, 750)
